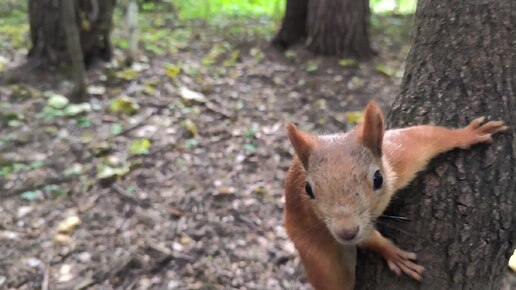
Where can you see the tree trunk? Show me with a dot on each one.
(293, 27)
(73, 44)
(94, 21)
(461, 211)
(339, 28)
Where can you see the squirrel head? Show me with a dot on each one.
(347, 184)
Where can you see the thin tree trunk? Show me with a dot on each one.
(339, 28)
(74, 50)
(462, 214)
(94, 21)
(293, 27)
(132, 25)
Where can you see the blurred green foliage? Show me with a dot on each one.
(214, 10)
(272, 8)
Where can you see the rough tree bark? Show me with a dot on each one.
(293, 27)
(330, 27)
(339, 28)
(73, 44)
(94, 20)
(461, 66)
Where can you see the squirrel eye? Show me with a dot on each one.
(377, 180)
(309, 191)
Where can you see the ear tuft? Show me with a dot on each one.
(302, 142)
(370, 132)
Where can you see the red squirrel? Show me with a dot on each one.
(338, 185)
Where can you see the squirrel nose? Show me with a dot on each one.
(348, 233)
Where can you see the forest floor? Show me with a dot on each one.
(171, 176)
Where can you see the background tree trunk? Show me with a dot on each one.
(462, 210)
(293, 27)
(73, 44)
(339, 28)
(94, 20)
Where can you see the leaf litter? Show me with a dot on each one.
(171, 176)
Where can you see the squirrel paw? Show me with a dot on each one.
(477, 133)
(400, 261)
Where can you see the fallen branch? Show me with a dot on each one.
(49, 180)
(128, 197)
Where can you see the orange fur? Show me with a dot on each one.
(339, 169)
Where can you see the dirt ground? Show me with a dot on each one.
(202, 209)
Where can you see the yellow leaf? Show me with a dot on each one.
(232, 59)
(124, 105)
(354, 117)
(127, 74)
(349, 62)
(172, 71)
(86, 26)
(61, 239)
(68, 225)
(190, 126)
(149, 90)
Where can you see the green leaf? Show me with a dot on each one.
(54, 190)
(96, 90)
(356, 81)
(14, 123)
(124, 105)
(139, 147)
(290, 54)
(384, 70)
(31, 195)
(232, 59)
(3, 61)
(190, 126)
(105, 171)
(83, 123)
(257, 54)
(116, 128)
(354, 117)
(127, 74)
(5, 105)
(36, 164)
(311, 66)
(57, 101)
(172, 71)
(190, 143)
(50, 113)
(349, 62)
(75, 169)
(9, 116)
(249, 148)
(249, 132)
(20, 167)
(5, 170)
(77, 109)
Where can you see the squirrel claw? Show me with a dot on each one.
(402, 262)
(478, 133)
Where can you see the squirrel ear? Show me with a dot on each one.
(302, 142)
(370, 132)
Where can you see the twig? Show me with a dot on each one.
(49, 180)
(214, 108)
(127, 196)
(46, 277)
(85, 284)
(137, 125)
